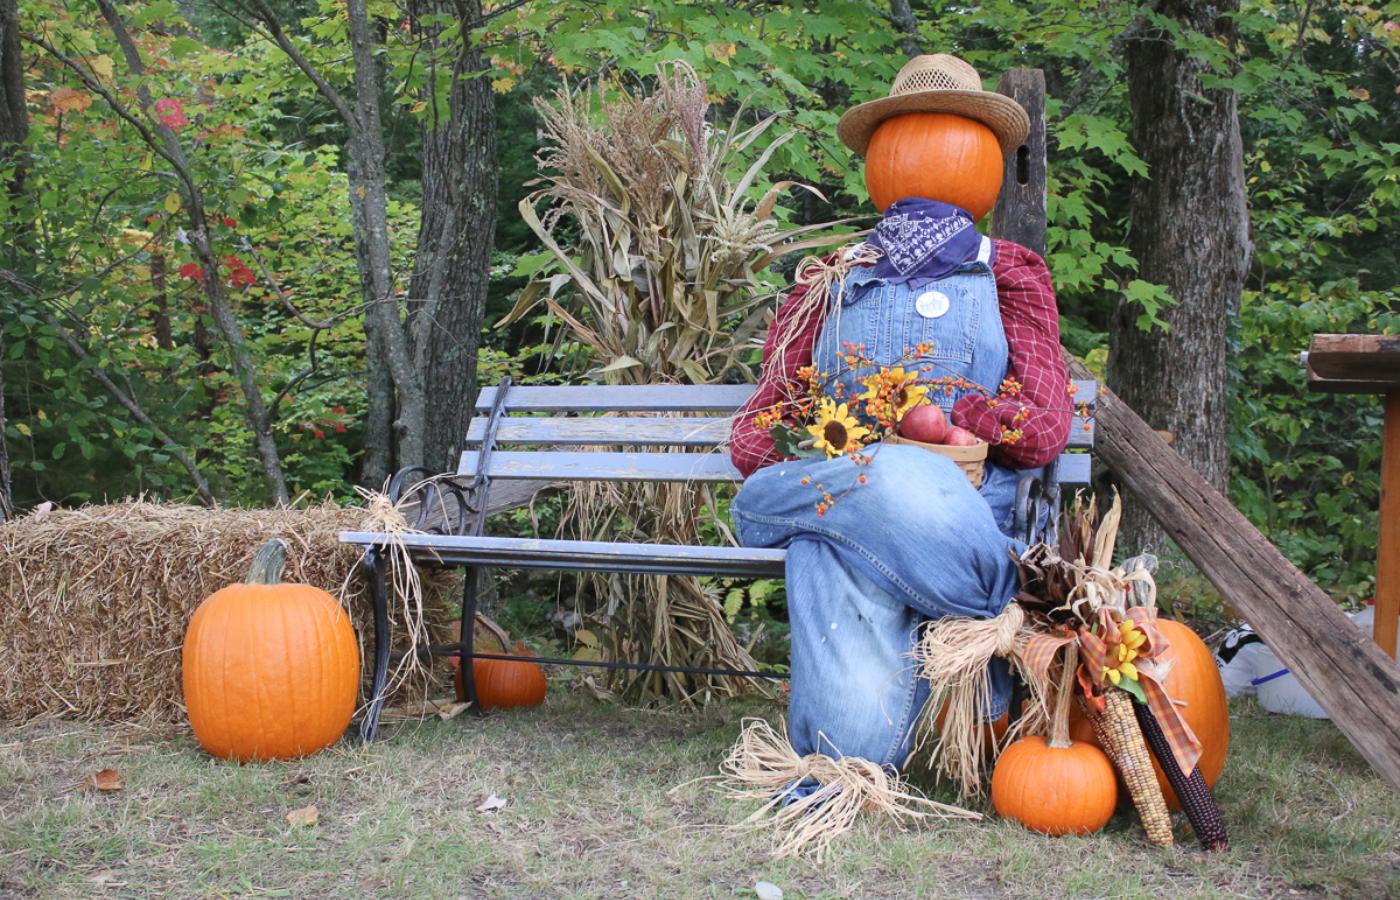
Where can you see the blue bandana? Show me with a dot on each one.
(923, 240)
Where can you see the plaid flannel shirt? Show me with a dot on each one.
(1032, 324)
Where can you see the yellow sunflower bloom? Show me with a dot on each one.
(836, 430)
(891, 393)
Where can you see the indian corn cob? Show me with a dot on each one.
(1196, 799)
(1118, 732)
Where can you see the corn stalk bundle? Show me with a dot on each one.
(661, 234)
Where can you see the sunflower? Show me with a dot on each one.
(836, 430)
(1120, 659)
(890, 393)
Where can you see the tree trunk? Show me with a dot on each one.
(14, 128)
(1190, 233)
(902, 15)
(453, 261)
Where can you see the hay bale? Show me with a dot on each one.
(94, 601)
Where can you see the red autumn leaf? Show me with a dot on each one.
(171, 113)
(192, 271)
(339, 428)
(318, 434)
(242, 277)
(229, 222)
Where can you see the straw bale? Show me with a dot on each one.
(94, 601)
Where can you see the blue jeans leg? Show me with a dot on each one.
(855, 691)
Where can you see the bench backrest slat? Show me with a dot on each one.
(620, 398)
(594, 431)
(508, 462)
(563, 465)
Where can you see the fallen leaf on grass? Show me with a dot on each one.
(106, 876)
(491, 803)
(106, 780)
(767, 890)
(304, 817)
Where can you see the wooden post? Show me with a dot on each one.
(1388, 561)
(1340, 667)
(1370, 364)
(1020, 211)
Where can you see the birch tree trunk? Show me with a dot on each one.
(1189, 232)
(458, 225)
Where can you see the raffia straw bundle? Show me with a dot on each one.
(94, 601)
(952, 654)
(763, 766)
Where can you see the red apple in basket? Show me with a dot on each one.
(960, 437)
(924, 423)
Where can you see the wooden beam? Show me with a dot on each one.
(1353, 363)
(1337, 663)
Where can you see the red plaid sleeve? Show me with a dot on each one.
(751, 448)
(1031, 428)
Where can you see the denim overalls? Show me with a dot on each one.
(916, 541)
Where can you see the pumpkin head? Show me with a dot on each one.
(502, 684)
(1056, 786)
(1193, 679)
(937, 156)
(270, 670)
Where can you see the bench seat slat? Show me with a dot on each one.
(595, 431)
(602, 556)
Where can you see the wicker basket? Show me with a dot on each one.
(971, 460)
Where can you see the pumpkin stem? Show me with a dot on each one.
(268, 563)
(496, 631)
(1059, 718)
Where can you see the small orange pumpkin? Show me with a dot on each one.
(502, 684)
(1194, 680)
(937, 156)
(270, 670)
(1057, 786)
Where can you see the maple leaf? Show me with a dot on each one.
(69, 100)
(171, 113)
(192, 271)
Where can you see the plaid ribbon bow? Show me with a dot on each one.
(1042, 649)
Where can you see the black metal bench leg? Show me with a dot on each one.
(467, 638)
(375, 562)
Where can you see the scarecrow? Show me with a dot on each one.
(914, 540)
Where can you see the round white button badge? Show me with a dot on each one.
(932, 304)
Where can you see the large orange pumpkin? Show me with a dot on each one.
(1194, 680)
(271, 670)
(937, 156)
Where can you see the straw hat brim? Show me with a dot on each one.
(1006, 117)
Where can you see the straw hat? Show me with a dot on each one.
(937, 83)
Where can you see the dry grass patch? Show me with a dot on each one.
(593, 810)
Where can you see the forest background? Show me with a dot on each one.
(255, 250)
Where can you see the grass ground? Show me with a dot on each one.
(593, 809)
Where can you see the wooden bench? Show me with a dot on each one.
(661, 433)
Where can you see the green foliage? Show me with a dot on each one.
(102, 217)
